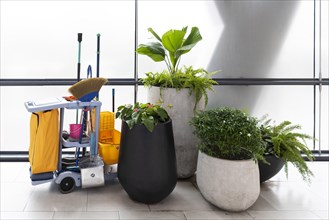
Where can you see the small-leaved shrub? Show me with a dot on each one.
(228, 133)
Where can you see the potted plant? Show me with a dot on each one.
(181, 91)
(147, 161)
(230, 145)
(283, 143)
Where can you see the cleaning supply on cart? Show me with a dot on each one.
(109, 139)
(87, 89)
(44, 141)
(93, 150)
(75, 130)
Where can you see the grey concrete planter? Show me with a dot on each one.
(179, 105)
(231, 185)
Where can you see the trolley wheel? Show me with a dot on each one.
(67, 185)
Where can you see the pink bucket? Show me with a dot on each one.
(75, 130)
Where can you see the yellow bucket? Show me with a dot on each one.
(109, 151)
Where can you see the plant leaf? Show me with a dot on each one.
(149, 123)
(193, 38)
(172, 40)
(154, 34)
(154, 50)
(162, 113)
(130, 123)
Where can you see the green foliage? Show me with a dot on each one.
(229, 134)
(284, 141)
(198, 81)
(171, 46)
(142, 114)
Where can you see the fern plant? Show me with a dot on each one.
(169, 49)
(284, 141)
(198, 81)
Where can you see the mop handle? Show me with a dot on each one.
(79, 54)
(113, 100)
(98, 54)
(79, 67)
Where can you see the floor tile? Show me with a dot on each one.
(283, 215)
(14, 196)
(112, 197)
(322, 214)
(216, 215)
(151, 215)
(262, 205)
(46, 197)
(86, 215)
(184, 197)
(26, 215)
(292, 196)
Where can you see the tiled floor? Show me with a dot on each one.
(279, 199)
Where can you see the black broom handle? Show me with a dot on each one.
(79, 55)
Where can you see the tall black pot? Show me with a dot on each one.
(267, 171)
(147, 162)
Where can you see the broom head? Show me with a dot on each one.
(87, 89)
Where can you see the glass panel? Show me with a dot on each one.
(39, 38)
(15, 120)
(292, 103)
(323, 141)
(142, 94)
(240, 38)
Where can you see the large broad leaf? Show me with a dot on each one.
(154, 50)
(130, 123)
(172, 40)
(163, 114)
(193, 38)
(154, 34)
(149, 123)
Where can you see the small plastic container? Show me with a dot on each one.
(75, 131)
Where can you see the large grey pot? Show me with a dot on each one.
(231, 185)
(180, 107)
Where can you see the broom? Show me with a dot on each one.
(87, 89)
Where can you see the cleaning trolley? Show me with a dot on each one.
(48, 140)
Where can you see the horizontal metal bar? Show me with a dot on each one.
(22, 156)
(272, 81)
(59, 82)
(132, 81)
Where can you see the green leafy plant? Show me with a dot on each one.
(169, 49)
(146, 114)
(197, 80)
(171, 46)
(284, 141)
(228, 133)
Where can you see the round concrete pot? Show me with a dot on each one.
(231, 185)
(180, 107)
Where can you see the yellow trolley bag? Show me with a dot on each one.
(44, 141)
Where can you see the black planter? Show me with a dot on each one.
(267, 171)
(147, 162)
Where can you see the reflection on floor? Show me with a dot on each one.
(280, 198)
